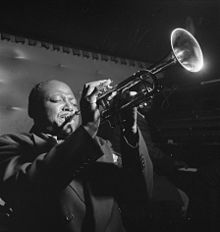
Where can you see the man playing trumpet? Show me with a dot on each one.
(62, 177)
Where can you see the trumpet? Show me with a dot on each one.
(185, 50)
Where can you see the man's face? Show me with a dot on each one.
(59, 103)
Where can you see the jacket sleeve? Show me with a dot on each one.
(53, 169)
(163, 164)
(136, 185)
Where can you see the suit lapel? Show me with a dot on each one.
(78, 188)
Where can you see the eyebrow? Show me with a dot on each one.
(61, 95)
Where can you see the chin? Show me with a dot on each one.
(69, 129)
(66, 133)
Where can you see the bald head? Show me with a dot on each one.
(37, 94)
(50, 102)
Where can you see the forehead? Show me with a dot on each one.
(54, 88)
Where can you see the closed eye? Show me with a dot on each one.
(55, 100)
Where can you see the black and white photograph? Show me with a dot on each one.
(110, 116)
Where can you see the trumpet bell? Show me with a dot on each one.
(186, 50)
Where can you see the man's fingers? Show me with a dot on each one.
(92, 98)
(100, 85)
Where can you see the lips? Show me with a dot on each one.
(65, 117)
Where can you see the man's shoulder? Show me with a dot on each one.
(16, 138)
(14, 144)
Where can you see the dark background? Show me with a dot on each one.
(185, 115)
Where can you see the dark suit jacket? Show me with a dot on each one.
(75, 185)
(164, 191)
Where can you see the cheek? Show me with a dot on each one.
(51, 113)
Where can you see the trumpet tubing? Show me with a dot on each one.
(185, 50)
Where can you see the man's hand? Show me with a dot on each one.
(88, 105)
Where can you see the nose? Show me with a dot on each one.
(68, 106)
